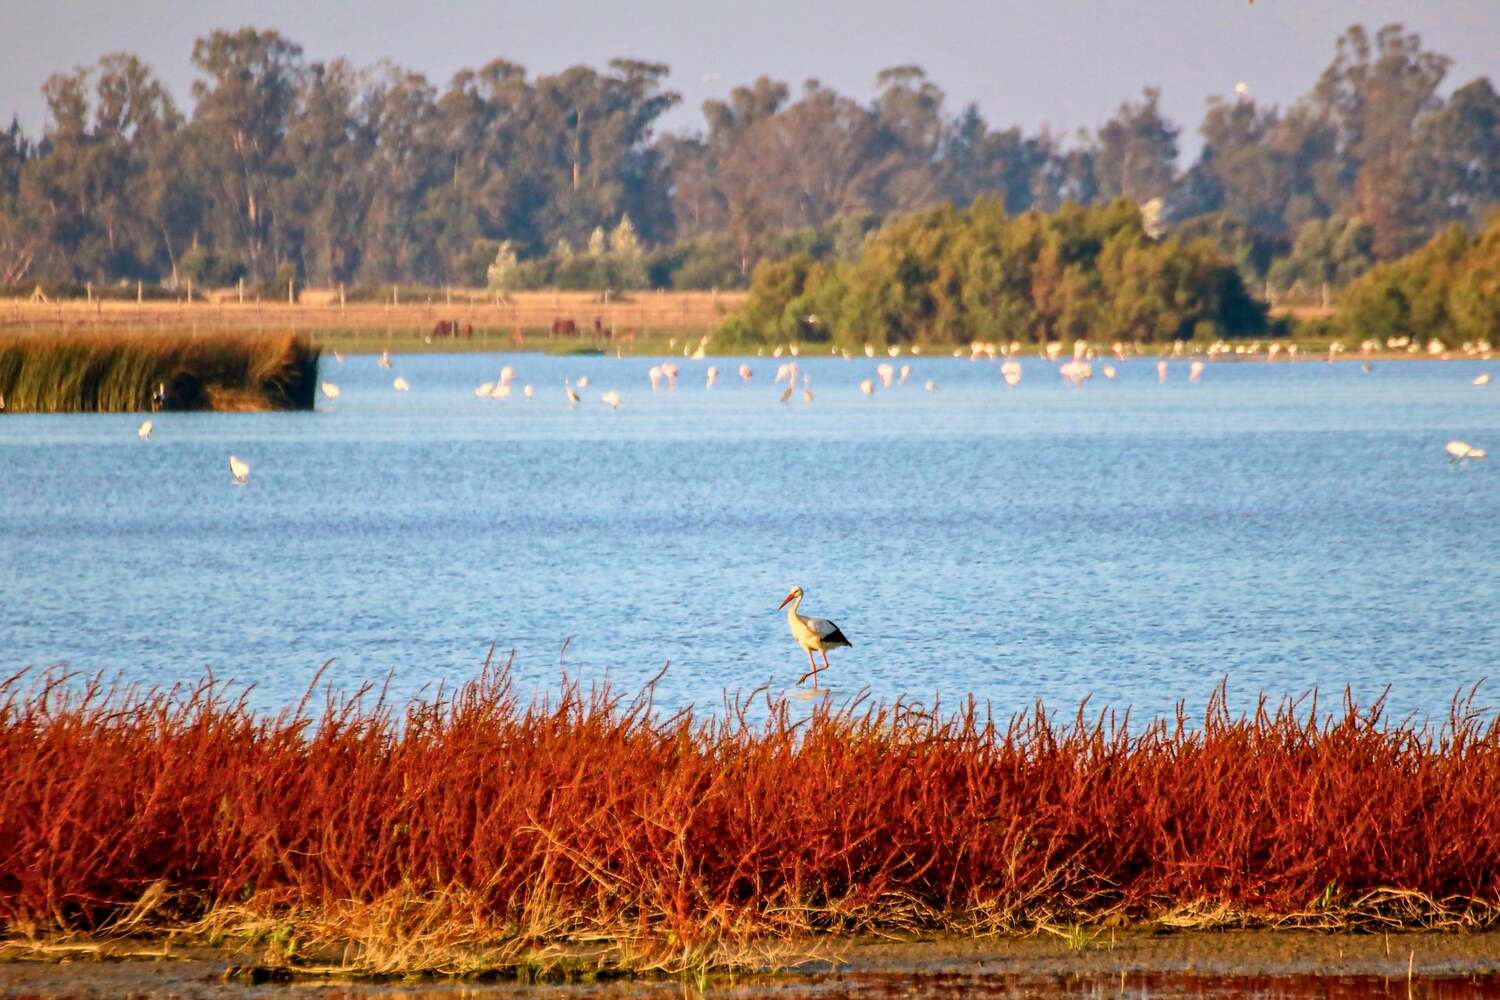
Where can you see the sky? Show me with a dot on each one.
(1064, 64)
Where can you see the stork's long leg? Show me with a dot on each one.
(825, 658)
(812, 672)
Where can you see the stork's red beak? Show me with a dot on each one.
(787, 600)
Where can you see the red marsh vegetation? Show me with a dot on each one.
(475, 829)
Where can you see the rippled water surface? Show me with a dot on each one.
(1280, 526)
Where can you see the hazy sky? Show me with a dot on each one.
(1064, 63)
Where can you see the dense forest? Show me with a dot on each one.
(287, 169)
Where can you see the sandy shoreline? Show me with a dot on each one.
(847, 966)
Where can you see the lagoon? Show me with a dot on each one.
(1275, 527)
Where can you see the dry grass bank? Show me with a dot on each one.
(531, 314)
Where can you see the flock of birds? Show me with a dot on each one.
(1075, 369)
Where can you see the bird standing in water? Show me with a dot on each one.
(812, 634)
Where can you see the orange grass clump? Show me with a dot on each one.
(472, 830)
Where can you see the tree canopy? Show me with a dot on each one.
(337, 173)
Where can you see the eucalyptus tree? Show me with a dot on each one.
(244, 105)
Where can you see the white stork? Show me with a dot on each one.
(812, 634)
(239, 469)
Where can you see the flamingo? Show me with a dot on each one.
(239, 469)
(1195, 371)
(812, 634)
(1460, 451)
(400, 384)
(1011, 372)
(930, 386)
(886, 373)
(144, 431)
(527, 391)
(610, 398)
(1161, 370)
(867, 387)
(330, 390)
(654, 374)
(484, 390)
(1482, 379)
(583, 381)
(745, 373)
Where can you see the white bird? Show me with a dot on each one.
(867, 387)
(572, 396)
(807, 393)
(611, 398)
(1011, 372)
(330, 390)
(869, 350)
(338, 356)
(400, 384)
(894, 350)
(777, 352)
(1195, 371)
(886, 373)
(711, 376)
(905, 374)
(811, 634)
(1076, 372)
(385, 359)
(1459, 451)
(1161, 371)
(507, 374)
(670, 371)
(1109, 371)
(500, 391)
(930, 386)
(583, 381)
(484, 390)
(1482, 379)
(239, 469)
(144, 431)
(527, 391)
(654, 374)
(745, 373)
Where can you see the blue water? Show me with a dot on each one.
(1279, 526)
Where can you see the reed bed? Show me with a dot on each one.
(128, 372)
(474, 831)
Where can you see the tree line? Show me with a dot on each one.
(950, 276)
(287, 169)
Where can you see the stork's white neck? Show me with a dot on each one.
(791, 611)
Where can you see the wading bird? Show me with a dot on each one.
(385, 359)
(745, 373)
(611, 398)
(572, 396)
(239, 469)
(812, 634)
(786, 393)
(330, 390)
(1195, 371)
(144, 431)
(867, 387)
(807, 395)
(583, 381)
(711, 376)
(400, 384)
(1462, 451)
(527, 391)
(1161, 371)
(1483, 379)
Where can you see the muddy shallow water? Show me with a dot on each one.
(1132, 964)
